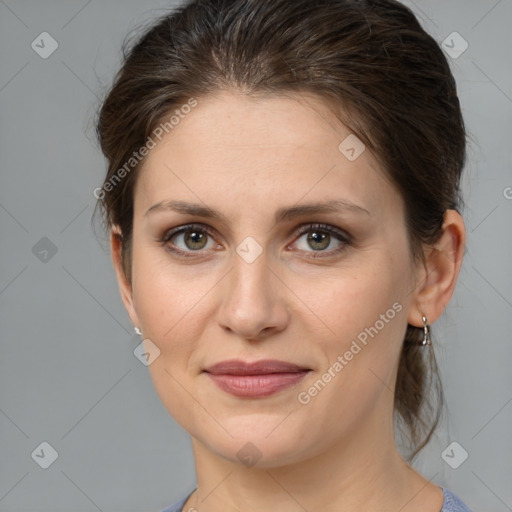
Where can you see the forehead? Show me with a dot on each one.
(232, 146)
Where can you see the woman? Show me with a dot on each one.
(283, 201)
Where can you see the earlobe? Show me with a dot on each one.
(442, 266)
(125, 287)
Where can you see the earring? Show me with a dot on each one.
(426, 333)
(138, 331)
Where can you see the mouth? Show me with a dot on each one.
(257, 379)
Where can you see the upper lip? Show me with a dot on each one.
(239, 367)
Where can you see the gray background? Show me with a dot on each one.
(68, 375)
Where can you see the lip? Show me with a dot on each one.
(265, 366)
(256, 379)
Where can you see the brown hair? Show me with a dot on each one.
(388, 80)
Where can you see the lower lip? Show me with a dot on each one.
(255, 386)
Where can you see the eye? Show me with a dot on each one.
(188, 239)
(320, 237)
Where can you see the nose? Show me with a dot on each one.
(254, 300)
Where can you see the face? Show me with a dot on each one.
(327, 291)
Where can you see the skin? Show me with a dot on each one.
(247, 157)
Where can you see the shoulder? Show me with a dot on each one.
(453, 503)
(176, 507)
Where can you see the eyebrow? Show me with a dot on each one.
(286, 213)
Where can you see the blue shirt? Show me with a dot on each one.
(451, 503)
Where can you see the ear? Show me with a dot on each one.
(438, 276)
(125, 288)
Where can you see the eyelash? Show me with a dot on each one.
(344, 238)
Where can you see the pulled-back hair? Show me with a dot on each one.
(385, 78)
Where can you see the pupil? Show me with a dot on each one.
(318, 238)
(195, 238)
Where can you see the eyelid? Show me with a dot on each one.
(310, 226)
(186, 227)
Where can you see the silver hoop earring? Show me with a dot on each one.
(426, 333)
(138, 331)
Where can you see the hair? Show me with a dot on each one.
(386, 79)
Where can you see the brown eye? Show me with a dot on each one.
(187, 240)
(195, 239)
(318, 240)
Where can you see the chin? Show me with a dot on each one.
(256, 444)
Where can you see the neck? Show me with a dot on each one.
(362, 471)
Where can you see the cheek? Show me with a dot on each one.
(165, 294)
(367, 318)
(169, 307)
(174, 304)
(354, 299)
(364, 311)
